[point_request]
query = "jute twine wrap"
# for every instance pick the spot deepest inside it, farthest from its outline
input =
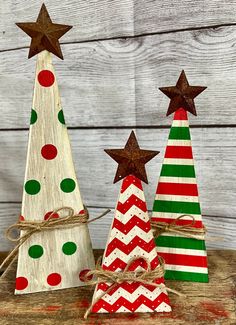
(187, 230)
(31, 227)
(145, 277)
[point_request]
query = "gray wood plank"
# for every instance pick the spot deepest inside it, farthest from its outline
(105, 19)
(114, 83)
(214, 150)
(221, 231)
(96, 90)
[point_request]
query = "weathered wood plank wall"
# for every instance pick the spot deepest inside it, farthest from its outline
(116, 56)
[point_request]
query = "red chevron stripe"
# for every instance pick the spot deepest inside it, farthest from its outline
(127, 249)
(129, 180)
(177, 189)
(180, 222)
(134, 221)
(132, 200)
(182, 152)
(120, 264)
(181, 114)
(129, 287)
(186, 260)
(141, 300)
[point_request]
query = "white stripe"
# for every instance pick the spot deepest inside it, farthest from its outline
(183, 123)
(183, 180)
(111, 299)
(143, 309)
(134, 210)
(182, 251)
(176, 198)
(163, 307)
(184, 268)
(131, 297)
(102, 310)
(168, 215)
(126, 238)
(137, 251)
(132, 189)
(122, 309)
(169, 234)
(186, 143)
(175, 161)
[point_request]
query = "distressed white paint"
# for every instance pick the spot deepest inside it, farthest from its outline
(48, 130)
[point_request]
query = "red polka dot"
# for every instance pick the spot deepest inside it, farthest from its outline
(49, 214)
(21, 218)
(82, 275)
(21, 283)
(82, 212)
(49, 151)
(46, 78)
(54, 279)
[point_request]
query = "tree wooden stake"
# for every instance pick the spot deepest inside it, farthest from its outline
(177, 193)
(130, 237)
(57, 258)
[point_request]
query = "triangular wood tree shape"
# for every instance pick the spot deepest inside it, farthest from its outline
(177, 191)
(58, 258)
(130, 236)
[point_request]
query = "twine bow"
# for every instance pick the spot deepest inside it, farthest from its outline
(31, 227)
(146, 277)
(187, 230)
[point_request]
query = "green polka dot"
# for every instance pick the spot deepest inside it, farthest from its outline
(32, 187)
(69, 248)
(67, 185)
(35, 251)
(33, 117)
(61, 117)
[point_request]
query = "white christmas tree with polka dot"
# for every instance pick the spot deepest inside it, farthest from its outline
(58, 258)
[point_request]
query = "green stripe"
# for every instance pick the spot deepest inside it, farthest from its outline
(177, 207)
(186, 276)
(179, 133)
(180, 242)
(178, 170)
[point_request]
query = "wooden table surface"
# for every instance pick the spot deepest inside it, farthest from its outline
(212, 303)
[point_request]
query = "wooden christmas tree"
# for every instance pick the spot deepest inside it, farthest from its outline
(58, 258)
(177, 193)
(130, 237)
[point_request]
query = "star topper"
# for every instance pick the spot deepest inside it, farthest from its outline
(131, 159)
(182, 95)
(44, 33)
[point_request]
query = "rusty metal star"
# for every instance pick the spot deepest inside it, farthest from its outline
(131, 159)
(182, 95)
(44, 33)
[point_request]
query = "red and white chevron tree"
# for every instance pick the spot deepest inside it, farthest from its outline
(130, 236)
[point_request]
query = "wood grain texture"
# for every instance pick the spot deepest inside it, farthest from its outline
(213, 149)
(212, 303)
(3, 255)
(221, 232)
(105, 19)
(49, 164)
(115, 82)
